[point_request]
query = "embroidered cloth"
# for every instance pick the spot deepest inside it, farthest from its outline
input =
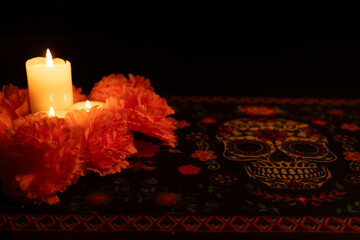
(239, 165)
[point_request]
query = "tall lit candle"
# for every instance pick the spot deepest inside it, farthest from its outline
(49, 83)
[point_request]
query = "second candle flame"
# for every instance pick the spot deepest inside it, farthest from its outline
(49, 60)
(51, 112)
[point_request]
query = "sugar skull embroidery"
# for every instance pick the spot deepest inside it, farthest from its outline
(281, 153)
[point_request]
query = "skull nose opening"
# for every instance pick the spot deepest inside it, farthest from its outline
(279, 156)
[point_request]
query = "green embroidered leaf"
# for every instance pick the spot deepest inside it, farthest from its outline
(276, 210)
(261, 205)
(173, 150)
(192, 210)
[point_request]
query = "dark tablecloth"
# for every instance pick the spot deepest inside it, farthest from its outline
(241, 165)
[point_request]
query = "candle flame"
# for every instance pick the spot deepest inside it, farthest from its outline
(51, 112)
(87, 105)
(49, 61)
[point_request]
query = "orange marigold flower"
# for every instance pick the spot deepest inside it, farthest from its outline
(77, 96)
(115, 84)
(14, 103)
(39, 158)
(107, 140)
(146, 113)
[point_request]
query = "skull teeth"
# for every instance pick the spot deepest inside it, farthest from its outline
(297, 165)
(287, 173)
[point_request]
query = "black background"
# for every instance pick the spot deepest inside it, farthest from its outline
(206, 55)
(187, 50)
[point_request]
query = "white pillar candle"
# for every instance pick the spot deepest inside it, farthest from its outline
(87, 105)
(49, 83)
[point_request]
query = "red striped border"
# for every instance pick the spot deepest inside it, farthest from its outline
(142, 223)
(265, 100)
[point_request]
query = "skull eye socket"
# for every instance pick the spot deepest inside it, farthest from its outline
(248, 147)
(304, 148)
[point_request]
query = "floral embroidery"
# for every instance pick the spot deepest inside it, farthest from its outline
(259, 111)
(196, 136)
(208, 120)
(207, 197)
(270, 135)
(311, 132)
(345, 139)
(350, 127)
(142, 159)
(353, 179)
(204, 155)
(146, 149)
(317, 199)
(168, 198)
(263, 120)
(319, 122)
(141, 163)
(352, 156)
(224, 130)
(336, 112)
(223, 179)
(183, 123)
(98, 198)
(189, 169)
(294, 185)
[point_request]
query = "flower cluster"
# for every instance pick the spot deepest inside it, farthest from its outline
(41, 156)
(14, 103)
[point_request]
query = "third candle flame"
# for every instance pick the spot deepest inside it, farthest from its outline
(87, 105)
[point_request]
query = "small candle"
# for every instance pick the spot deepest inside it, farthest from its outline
(52, 113)
(49, 83)
(87, 105)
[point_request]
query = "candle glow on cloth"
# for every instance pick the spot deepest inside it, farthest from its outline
(87, 105)
(49, 82)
